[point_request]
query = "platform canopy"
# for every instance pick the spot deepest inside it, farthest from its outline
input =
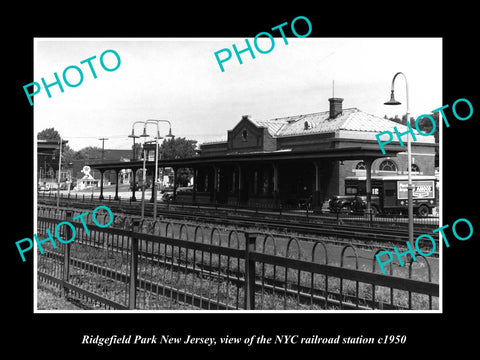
(49, 147)
(347, 153)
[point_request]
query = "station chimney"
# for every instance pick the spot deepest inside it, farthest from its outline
(335, 107)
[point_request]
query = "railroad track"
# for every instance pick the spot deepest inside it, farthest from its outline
(327, 226)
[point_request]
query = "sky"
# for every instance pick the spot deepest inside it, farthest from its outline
(179, 79)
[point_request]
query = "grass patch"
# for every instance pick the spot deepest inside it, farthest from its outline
(49, 298)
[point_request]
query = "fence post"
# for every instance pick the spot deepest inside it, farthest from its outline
(66, 254)
(249, 272)
(369, 216)
(132, 297)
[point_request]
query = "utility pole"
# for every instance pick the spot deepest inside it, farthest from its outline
(101, 172)
(103, 147)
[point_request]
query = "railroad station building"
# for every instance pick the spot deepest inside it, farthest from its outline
(292, 160)
(47, 172)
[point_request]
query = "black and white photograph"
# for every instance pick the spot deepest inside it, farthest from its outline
(238, 190)
(238, 181)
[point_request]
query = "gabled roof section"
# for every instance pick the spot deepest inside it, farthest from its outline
(351, 119)
(361, 121)
(273, 126)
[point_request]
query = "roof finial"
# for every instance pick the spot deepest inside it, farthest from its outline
(333, 88)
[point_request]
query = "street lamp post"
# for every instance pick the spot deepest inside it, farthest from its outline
(143, 168)
(154, 187)
(69, 183)
(101, 172)
(392, 101)
(59, 170)
(134, 157)
(144, 180)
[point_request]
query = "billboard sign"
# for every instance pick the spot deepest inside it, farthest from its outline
(422, 189)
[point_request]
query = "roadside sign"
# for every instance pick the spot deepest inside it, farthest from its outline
(422, 189)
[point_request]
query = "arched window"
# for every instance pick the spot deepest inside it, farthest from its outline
(361, 166)
(387, 165)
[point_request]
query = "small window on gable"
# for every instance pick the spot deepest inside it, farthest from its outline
(244, 135)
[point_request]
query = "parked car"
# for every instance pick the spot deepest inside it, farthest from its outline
(184, 189)
(352, 204)
(341, 203)
(43, 187)
(167, 195)
(138, 185)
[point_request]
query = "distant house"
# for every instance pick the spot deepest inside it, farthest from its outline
(47, 165)
(109, 155)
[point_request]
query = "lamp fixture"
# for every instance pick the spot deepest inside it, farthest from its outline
(392, 100)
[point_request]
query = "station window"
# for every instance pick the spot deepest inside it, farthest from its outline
(390, 192)
(350, 190)
(360, 166)
(415, 168)
(387, 165)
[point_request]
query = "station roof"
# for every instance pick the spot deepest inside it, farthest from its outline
(351, 119)
(48, 147)
(347, 153)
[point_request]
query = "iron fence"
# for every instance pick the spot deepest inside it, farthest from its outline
(156, 265)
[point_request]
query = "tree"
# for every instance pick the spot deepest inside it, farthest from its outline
(426, 126)
(179, 148)
(50, 162)
(48, 134)
(89, 153)
(183, 176)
